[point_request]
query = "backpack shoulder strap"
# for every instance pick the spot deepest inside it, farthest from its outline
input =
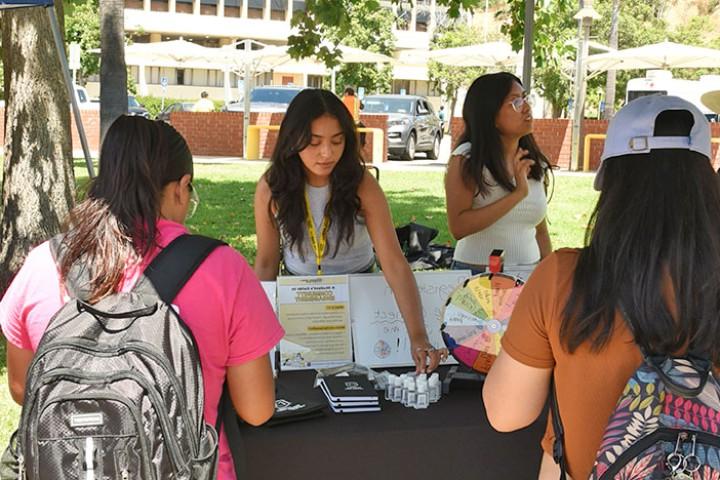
(176, 263)
(77, 283)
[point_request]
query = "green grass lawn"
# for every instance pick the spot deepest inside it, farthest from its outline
(226, 211)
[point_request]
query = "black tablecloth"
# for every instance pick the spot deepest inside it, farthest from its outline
(450, 440)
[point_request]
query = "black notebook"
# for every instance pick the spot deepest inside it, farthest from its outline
(353, 388)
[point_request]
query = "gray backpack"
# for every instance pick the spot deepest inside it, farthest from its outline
(115, 389)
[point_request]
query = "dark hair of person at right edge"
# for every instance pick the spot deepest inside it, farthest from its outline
(483, 101)
(657, 221)
(286, 176)
(116, 222)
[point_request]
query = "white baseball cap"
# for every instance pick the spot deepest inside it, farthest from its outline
(631, 130)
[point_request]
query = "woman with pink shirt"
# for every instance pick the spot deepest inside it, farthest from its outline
(133, 209)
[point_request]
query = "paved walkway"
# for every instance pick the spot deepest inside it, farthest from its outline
(419, 164)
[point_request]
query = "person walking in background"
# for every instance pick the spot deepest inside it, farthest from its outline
(354, 105)
(319, 211)
(204, 104)
(497, 178)
(134, 208)
(442, 116)
(646, 283)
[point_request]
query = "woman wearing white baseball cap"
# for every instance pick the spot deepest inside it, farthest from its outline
(652, 246)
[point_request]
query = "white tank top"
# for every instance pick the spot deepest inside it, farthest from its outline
(354, 258)
(514, 233)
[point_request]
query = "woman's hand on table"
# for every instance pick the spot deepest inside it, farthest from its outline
(426, 357)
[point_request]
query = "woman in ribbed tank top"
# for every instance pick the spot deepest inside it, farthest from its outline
(497, 178)
(319, 210)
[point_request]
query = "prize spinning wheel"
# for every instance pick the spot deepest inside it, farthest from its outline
(476, 316)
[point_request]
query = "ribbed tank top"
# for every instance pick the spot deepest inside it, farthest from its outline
(354, 258)
(514, 232)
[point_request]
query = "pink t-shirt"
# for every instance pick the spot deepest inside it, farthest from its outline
(223, 304)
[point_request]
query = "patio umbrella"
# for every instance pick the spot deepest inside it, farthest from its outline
(661, 55)
(173, 53)
(354, 55)
(491, 54)
(359, 55)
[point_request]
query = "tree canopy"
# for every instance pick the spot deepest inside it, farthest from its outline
(322, 16)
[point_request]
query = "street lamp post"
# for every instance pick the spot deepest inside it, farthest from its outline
(584, 17)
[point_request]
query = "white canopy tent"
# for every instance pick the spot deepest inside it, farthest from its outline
(661, 55)
(491, 54)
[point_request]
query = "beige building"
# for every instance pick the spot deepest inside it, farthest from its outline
(215, 23)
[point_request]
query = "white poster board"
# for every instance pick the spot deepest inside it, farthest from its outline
(315, 313)
(271, 292)
(379, 335)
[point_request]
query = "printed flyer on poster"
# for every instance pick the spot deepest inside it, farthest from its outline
(315, 313)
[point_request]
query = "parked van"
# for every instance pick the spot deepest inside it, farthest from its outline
(661, 82)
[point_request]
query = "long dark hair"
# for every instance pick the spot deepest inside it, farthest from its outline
(483, 101)
(116, 223)
(656, 225)
(286, 176)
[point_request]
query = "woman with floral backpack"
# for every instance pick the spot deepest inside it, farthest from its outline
(598, 324)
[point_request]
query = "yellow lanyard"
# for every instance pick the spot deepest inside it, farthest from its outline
(317, 246)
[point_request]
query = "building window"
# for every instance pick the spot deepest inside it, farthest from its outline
(401, 86)
(315, 81)
(256, 8)
(180, 76)
(232, 8)
(134, 4)
(278, 9)
(160, 6)
(208, 7)
(423, 21)
(184, 6)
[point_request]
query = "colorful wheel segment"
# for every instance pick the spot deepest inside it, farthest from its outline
(476, 316)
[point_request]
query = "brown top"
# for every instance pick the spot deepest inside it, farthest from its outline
(588, 384)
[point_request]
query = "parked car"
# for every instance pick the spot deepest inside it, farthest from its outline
(174, 107)
(83, 99)
(413, 126)
(274, 98)
(135, 108)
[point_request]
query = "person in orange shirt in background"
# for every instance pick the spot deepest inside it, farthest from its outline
(354, 105)
(352, 102)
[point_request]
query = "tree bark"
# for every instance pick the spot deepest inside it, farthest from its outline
(38, 184)
(612, 74)
(113, 71)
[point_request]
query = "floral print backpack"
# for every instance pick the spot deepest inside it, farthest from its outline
(665, 425)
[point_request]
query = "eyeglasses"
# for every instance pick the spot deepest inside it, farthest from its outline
(194, 201)
(517, 103)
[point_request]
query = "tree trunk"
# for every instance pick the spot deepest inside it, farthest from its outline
(113, 71)
(38, 184)
(611, 74)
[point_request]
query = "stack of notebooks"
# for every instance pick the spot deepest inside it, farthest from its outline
(350, 394)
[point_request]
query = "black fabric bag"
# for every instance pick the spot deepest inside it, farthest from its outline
(293, 406)
(115, 389)
(420, 253)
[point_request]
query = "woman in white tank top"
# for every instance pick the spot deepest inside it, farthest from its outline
(496, 178)
(323, 208)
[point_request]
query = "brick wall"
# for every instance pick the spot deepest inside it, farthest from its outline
(371, 120)
(221, 133)
(554, 138)
(91, 124)
(210, 133)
